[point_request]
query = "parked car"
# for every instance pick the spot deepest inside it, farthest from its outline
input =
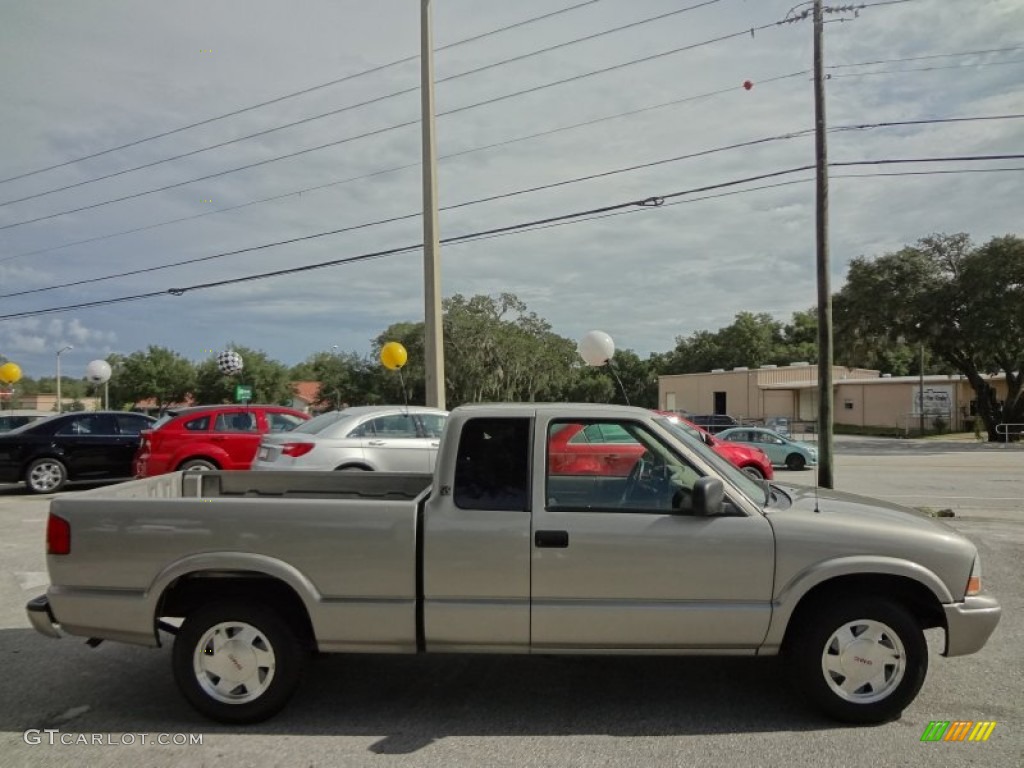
(783, 452)
(50, 452)
(384, 438)
(592, 449)
(714, 422)
(18, 418)
(210, 437)
(751, 460)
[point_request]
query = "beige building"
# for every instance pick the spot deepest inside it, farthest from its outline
(862, 397)
(48, 402)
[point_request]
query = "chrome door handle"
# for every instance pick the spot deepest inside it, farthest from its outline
(377, 442)
(435, 445)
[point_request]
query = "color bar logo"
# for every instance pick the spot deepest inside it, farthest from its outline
(958, 730)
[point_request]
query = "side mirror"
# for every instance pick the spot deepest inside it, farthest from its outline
(708, 496)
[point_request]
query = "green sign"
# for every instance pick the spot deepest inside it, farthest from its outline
(243, 393)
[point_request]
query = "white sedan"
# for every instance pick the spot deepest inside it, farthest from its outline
(383, 438)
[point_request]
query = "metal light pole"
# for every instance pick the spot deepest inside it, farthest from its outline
(433, 343)
(60, 405)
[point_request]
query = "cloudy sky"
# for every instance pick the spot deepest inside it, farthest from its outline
(81, 78)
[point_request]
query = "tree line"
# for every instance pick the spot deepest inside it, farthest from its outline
(961, 305)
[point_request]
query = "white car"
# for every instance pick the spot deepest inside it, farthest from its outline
(383, 438)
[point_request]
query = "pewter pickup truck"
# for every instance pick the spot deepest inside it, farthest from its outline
(630, 537)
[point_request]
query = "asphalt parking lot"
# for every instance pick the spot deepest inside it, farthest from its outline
(449, 710)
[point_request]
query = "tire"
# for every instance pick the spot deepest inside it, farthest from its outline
(252, 639)
(754, 472)
(795, 462)
(198, 464)
(832, 656)
(46, 476)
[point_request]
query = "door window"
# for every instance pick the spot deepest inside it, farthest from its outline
(236, 422)
(87, 425)
(433, 424)
(130, 424)
(200, 424)
(398, 425)
(656, 480)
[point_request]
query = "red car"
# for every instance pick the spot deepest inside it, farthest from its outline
(608, 450)
(594, 449)
(210, 437)
(753, 461)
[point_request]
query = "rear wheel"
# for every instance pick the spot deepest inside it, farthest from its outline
(796, 462)
(860, 660)
(236, 662)
(46, 476)
(201, 465)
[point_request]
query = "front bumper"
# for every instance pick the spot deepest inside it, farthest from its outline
(41, 617)
(970, 624)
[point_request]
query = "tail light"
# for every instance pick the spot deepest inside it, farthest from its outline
(296, 449)
(58, 536)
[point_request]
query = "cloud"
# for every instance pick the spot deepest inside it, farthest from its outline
(645, 276)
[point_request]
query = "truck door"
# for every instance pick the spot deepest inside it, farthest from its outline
(476, 542)
(620, 563)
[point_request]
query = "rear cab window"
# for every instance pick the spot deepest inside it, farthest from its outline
(492, 469)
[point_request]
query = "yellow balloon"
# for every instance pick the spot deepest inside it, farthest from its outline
(10, 373)
(393, 355)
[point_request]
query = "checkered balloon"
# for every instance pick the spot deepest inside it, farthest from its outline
(229, 362)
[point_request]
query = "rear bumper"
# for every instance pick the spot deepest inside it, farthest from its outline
(970, 624)
(41, 617)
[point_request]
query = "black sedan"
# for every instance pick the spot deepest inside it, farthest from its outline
(95, 445)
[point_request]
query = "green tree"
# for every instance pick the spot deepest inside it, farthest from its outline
(964, 304)
(157, 373)
(269, 379)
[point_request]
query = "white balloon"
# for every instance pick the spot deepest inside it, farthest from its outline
(98, 372)
(596, 348)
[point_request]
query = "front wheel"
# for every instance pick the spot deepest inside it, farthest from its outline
(236, 662)
(46, 476)
(754, 472)
(860, 660)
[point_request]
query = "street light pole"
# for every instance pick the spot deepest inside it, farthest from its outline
(433, 331)
(60, 405)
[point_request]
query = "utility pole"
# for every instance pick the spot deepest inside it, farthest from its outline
(825, 429)
(433, 342)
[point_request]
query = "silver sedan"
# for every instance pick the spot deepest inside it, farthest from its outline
(383, 438)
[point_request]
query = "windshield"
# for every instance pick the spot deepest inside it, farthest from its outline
(754, 489)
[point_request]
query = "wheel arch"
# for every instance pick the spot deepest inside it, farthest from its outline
(217, 463)
(909, 584)
(212, 577)
(355, 464)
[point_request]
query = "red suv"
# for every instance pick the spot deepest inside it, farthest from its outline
(210, 437)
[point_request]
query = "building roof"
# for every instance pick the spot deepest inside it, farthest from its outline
(309, 391)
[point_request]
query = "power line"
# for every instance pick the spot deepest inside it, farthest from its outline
(347, 108)
(493, 145)
(417, 214)
(515, 193)
(653, 201)
(979, 65)
(572, 218)
(302, 92)
(927, 57)
(493, 100)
